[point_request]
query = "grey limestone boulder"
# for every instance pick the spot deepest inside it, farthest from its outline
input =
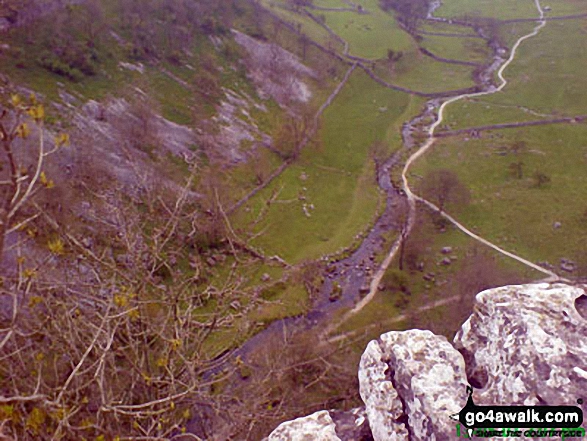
(523, 344)
(316, 427)
(526, 344)
(411, 382)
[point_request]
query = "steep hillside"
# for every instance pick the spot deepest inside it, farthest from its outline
(131, 128)
(209, 207)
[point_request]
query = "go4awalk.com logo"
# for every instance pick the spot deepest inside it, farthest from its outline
(561, 422)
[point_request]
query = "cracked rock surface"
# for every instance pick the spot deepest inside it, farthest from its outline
(524, 344)
(316, 427)
(411, 382)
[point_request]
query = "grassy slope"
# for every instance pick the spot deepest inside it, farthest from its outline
(340, 176)
(442, 27)
(369, 35)
(309, 27)
(330, 4)
(547, 78)
(421, 73)
(514, 213)
(463, 49)
(500, 9)
(566, 7)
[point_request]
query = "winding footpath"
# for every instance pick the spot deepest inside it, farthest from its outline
(414, 198)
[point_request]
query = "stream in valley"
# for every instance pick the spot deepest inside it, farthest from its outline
(351, 279)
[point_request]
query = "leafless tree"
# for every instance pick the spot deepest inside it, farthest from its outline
(443, 187)
(276, 382)
(294, 135)
(118, 350)
(22, 174)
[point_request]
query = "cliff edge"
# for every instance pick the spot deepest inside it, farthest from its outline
(522, 345)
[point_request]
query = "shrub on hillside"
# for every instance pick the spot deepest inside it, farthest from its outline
(55, 65)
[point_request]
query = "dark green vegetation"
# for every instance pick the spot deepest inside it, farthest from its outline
(409, 12)
(163, 283)
(82, 47)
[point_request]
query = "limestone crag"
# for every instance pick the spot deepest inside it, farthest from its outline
(334, 425)
(427, 378)
(382, 402)
(523, 344)
(526, 345)
(316, 427)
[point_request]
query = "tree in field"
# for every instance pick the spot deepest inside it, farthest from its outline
(540, 179)
(393, 57)
(409, 12)
(516, 169)
(518, 147)
(294, 135)
(261, 165)
(444, 187)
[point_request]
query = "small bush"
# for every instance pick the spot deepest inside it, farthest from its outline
(273, 291)
(396, 280)
(55, 65)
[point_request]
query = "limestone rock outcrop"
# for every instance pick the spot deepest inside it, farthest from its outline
(524, 344)
(334, 425)
(411, 382)
(316, 427)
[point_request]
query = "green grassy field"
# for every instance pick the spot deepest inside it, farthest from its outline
(549, 75)
(443, 27)
(330, 4)
(418, 72)
(309, 27)
(509, 33)
(516, 213)
(463, 49)
(500, 9)
(565, 7)
(336, 176)
(545, 81)
(472, 112)
(369, 35)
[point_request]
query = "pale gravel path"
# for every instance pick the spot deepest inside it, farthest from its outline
(413, 198)
(397, 319)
